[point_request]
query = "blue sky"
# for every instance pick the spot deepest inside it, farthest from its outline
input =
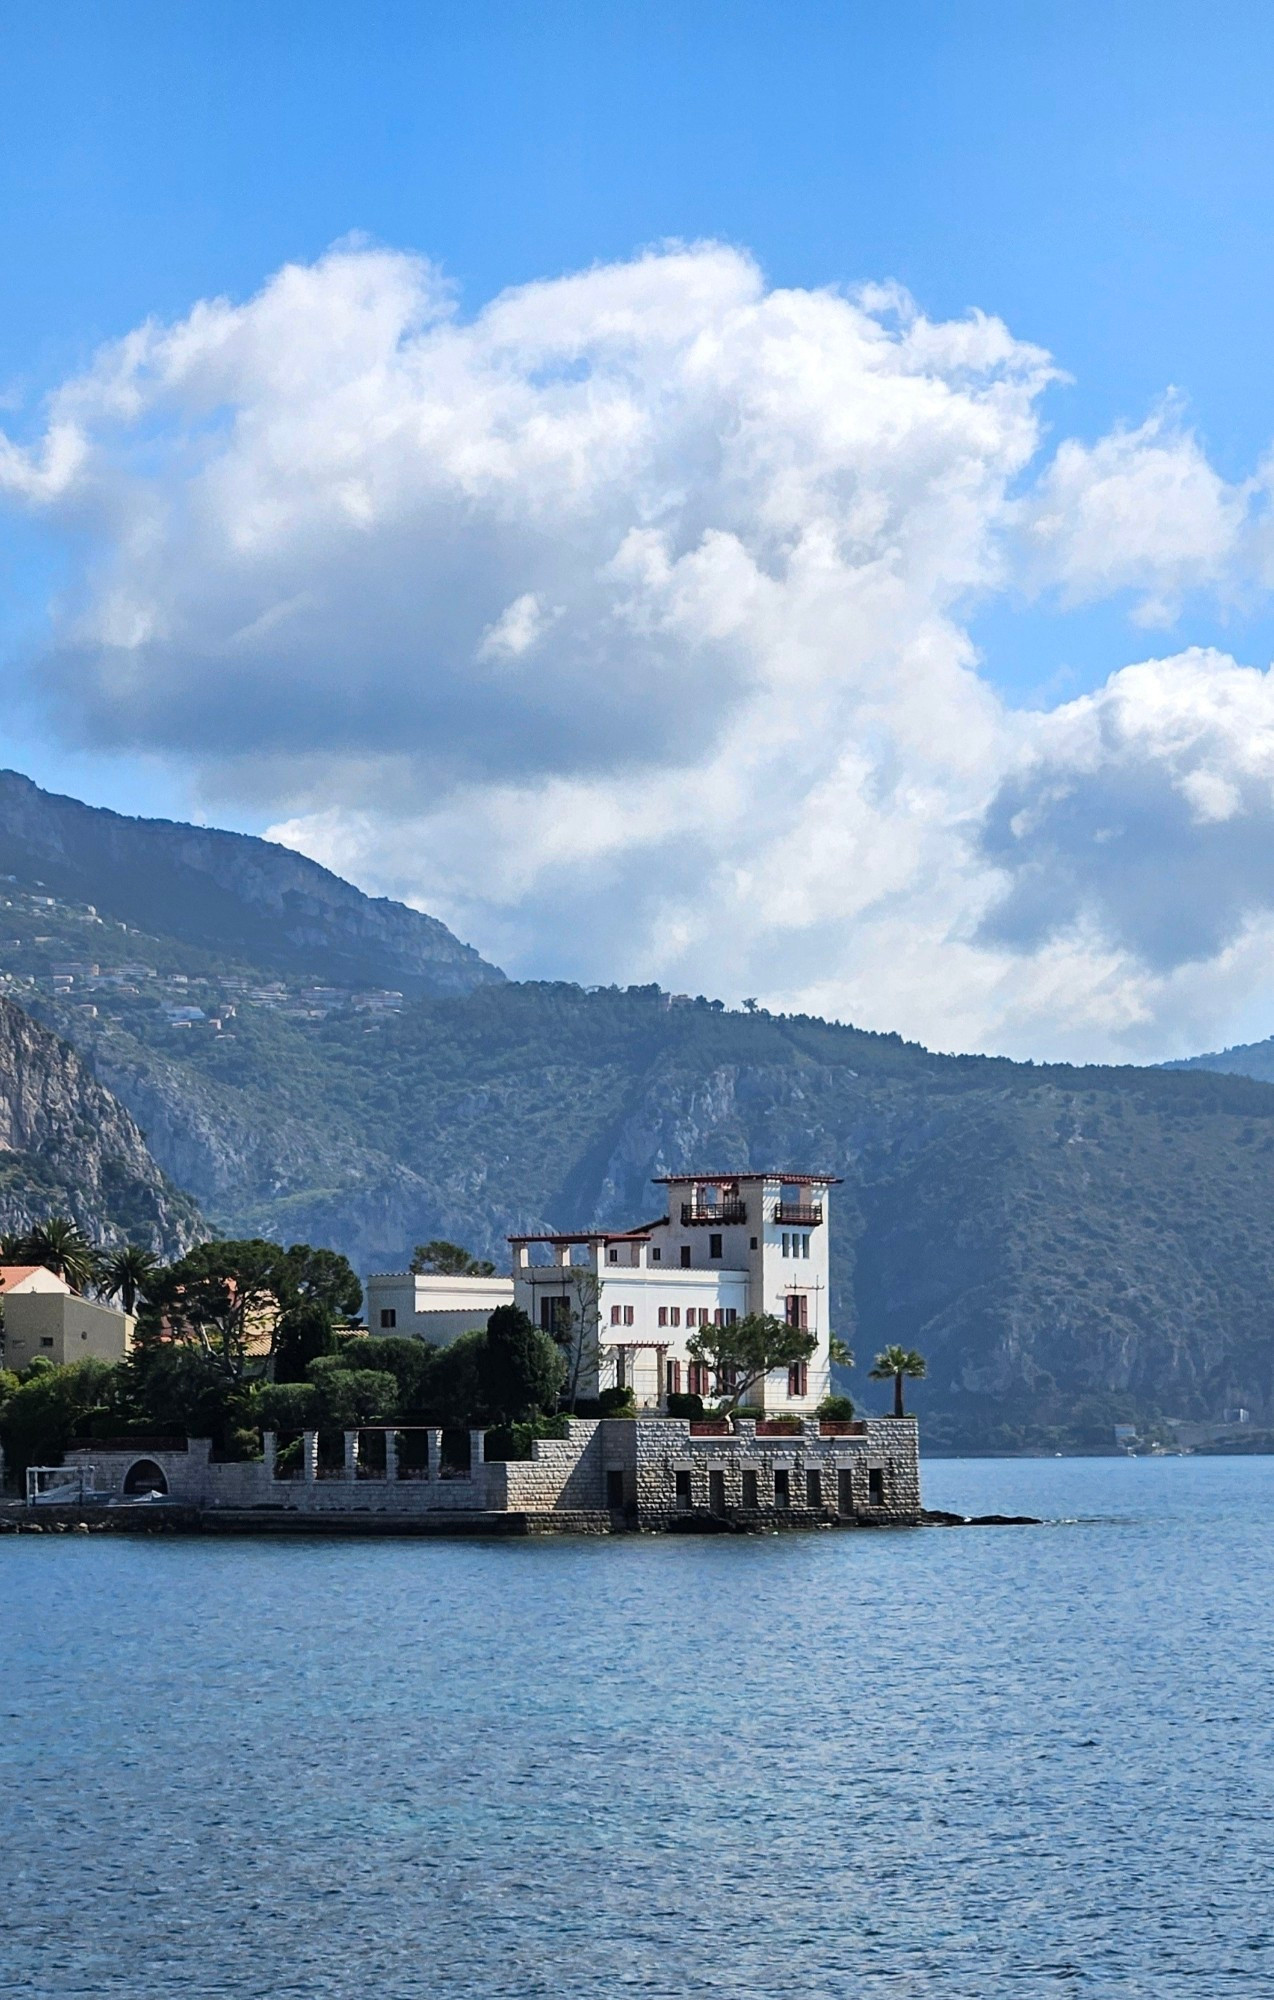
(1100, 178)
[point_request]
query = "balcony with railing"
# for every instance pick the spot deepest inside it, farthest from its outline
(696, 1213)
(799, 1214)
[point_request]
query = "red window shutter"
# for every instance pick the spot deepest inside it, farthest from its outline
(663, 1315)
(614, 1315)
(628, 1315)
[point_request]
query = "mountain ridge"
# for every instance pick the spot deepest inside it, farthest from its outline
(1254, 1059)
(233, 891)
(1070, 1246)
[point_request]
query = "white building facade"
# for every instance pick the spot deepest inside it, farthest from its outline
(729, 1245)
(432, 1308)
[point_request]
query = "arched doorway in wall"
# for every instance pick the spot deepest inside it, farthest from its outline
(144, 1476)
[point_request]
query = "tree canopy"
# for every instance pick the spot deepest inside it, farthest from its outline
(448, 1260)
(238, 1302)
(520, 1370)
(742, 1354)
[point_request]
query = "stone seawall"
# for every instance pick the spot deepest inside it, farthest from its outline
(655, 1473)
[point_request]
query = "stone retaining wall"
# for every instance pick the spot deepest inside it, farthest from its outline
(651, 1472)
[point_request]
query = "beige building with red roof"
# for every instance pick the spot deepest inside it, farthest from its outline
(44, 1318)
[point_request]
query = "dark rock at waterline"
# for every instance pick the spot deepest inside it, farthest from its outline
(936, 1517)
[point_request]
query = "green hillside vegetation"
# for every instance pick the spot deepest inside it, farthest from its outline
(1254, 1059)
(1069, 1247)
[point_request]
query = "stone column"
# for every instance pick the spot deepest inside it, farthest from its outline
(351, 1454)
(311, 1456)
(270, 1452)
(433, 1445)
(391, 1454)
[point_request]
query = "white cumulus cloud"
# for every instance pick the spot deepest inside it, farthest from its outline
(624, 625)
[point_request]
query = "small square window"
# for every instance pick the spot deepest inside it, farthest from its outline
(46, 1340)
(388, 1316)
(714, 1247)
(613, 1255)
(685, 1256)
(83, 1336)
(656, 1256)
(754, 1242)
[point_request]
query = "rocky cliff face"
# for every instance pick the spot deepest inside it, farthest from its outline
(228, 893)
(67, 1147)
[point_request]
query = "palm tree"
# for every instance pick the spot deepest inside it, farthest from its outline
(126, 1274)
(63, 1249)
(892, 1364)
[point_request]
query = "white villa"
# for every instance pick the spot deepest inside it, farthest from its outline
(730, 1244)
(433, 1308)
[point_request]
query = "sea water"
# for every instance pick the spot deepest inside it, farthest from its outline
(945, 1762)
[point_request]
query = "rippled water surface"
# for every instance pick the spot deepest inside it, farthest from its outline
(939, 1763)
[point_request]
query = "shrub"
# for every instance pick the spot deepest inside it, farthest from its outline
(409, 1361)
(41, 1415)
(616, 1403)
(514, 1441)
(684, 1406)
(840, 1408)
